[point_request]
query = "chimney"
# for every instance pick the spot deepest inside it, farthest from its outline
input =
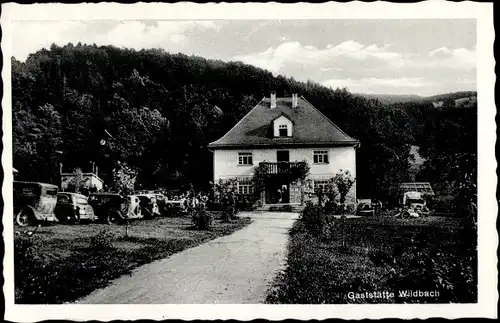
(295, 100)
(273, 100)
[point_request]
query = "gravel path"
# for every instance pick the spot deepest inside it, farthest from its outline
(233, 269)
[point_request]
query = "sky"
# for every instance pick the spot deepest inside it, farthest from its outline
(422, 57)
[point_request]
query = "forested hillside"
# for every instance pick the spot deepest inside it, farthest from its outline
(404, 98)
(163, 109)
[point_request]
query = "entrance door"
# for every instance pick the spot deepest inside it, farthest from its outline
(277, 192)
(282, 156)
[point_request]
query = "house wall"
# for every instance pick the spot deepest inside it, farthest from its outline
(340, 158)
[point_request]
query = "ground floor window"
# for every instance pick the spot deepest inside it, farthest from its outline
(321, 185)
(245, 188)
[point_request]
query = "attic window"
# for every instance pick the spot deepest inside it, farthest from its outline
(283, 130)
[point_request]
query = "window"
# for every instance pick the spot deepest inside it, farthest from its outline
(320, 157)
(62, 199)
(51, 192)
(245, 159)
(283, 130)
(245, 188)
(322, 185)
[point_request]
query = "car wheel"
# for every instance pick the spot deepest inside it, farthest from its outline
(113, 217)
(23, 218)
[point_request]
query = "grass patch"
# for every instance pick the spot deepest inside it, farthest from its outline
(61, 263)
(380, 254)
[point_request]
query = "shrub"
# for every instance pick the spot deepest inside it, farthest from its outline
(344, 181)
(350, 209)
(441, 203)
(214, 206)
(202, 220)
(331, 207)
(314, 218)
(245, 203)
(103, 240)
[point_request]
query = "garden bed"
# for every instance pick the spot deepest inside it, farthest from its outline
(380, 256)
(61, 263)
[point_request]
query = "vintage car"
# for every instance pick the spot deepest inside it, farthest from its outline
(175, 207)
(414, 206)
(149, 205)
(365, 207)
(165, 206)
(73, 207)
(114, 208)
(34, 203)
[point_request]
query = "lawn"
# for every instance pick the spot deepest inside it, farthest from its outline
(380, 256)
(61, 263)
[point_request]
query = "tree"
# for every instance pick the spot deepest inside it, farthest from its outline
(344, 181)
(124, 178)
(163, 109)
(36, 138)
(77, 183)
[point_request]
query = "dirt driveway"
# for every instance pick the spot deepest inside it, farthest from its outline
(233, 269)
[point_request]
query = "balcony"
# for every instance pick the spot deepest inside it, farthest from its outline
(281, 168)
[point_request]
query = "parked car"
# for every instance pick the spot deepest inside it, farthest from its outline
(175, 207)
(161, 200)
(72, 207)
(113, 208)
(149, 205)
(366, 207)
(34, 202)
(414, 206)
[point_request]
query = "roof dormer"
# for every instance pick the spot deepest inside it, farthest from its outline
(282, 126)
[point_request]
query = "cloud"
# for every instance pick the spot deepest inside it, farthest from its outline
(275, 59)
(30, 36)
(458, 58)
(327, 69)
(378, 85)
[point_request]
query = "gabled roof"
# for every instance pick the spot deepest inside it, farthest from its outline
(422, 187)
(311, 127)
(283, 114)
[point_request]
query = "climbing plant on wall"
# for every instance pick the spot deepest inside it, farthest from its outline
(298, 172)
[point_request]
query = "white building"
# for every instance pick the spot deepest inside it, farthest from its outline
(91, 180)
(278, 133)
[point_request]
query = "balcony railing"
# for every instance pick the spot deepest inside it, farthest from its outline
(280, 168)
